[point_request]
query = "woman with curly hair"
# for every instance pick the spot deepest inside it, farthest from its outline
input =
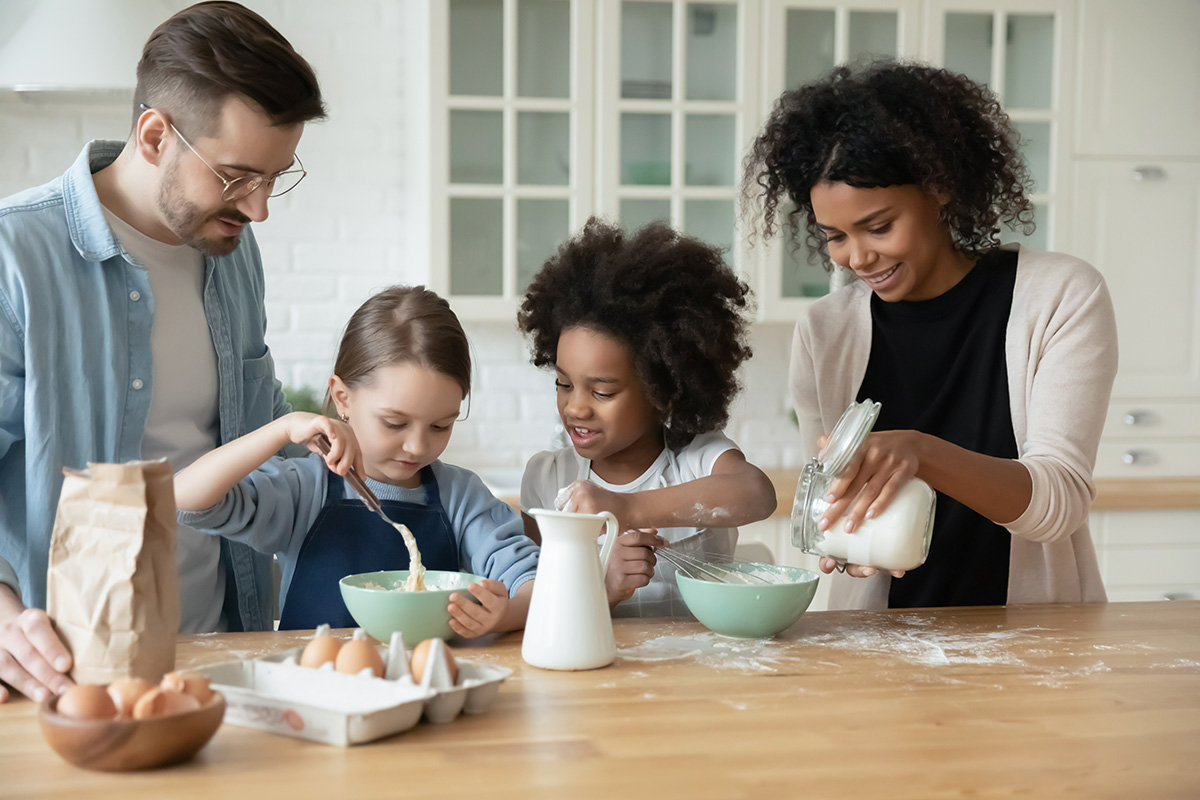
(645, 334)
(993, 364)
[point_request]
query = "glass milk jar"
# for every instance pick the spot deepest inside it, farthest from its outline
(896, 539)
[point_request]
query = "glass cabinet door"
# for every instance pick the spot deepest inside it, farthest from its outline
(1016, 48)
(812, 37)
(516, 114)
(673, 115)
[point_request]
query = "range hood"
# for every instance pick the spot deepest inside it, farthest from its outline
(78, 45)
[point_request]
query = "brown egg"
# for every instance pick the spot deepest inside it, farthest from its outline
(159, 702)
(188, 683)
(420, 656)
(125, 693)
(86, 701)
(321, 650)
(357, 655)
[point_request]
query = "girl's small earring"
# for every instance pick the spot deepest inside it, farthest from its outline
(345, 417)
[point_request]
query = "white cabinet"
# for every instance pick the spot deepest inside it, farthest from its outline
(544, 112)
(509, 99)
(1023, 50)
(1136, 217)
(1148, 555)
(1140, 78)
(1139, 223)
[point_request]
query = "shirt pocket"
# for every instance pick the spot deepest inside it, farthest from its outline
(258, 391)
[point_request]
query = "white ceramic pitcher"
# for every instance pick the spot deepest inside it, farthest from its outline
(569, 624)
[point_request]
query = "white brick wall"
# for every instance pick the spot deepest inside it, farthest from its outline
(343, 233)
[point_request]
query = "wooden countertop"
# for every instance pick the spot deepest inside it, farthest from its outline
(1048, 701)
(1111, 495)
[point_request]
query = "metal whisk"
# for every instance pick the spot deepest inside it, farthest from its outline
(730, 569)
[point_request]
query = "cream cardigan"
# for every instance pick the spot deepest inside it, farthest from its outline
(1061, 350)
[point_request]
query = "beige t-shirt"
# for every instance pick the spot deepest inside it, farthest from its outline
(182, 422)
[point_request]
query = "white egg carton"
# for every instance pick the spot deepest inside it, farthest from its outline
(274, 693)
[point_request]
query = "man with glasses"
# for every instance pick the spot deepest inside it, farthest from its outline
(131, 312)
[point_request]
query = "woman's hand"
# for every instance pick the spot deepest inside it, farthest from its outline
(475, 619)
(886, 461)
(828, 565)
(631, 565)
(344, 451)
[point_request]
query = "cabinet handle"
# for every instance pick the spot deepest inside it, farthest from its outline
(1136, 418)
(1148, 174)
(1136, 456)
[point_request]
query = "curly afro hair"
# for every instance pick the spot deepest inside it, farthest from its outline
(670, 298)
(890, 123)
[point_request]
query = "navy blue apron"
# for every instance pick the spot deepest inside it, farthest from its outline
(348, 538)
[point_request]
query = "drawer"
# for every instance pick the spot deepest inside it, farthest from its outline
(1148, 555)
(1175, 528)
(1148, 458)
(1132, 419)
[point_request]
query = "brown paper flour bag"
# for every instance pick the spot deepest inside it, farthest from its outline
(113, 585)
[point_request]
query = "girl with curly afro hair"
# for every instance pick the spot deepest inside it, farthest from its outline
(994, 364)
(645, 334)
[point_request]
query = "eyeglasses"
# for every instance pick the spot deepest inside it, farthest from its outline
(237, 188)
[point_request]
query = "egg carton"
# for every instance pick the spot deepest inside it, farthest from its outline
(274, 693)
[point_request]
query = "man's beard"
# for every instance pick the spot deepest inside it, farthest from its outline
(186, 220)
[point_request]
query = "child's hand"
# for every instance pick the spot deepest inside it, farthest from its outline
(631, 565)
(585, 497)
(344, 451)
(475, 619)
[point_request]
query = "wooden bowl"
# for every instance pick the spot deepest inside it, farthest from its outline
(119, 745)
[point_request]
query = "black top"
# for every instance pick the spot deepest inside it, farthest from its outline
(938, 367)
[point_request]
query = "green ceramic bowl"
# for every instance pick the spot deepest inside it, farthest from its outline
(418, 615)
(750, 611)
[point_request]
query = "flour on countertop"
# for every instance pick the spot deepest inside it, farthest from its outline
(909, 638)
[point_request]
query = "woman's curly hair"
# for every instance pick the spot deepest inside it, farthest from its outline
(889, 123)
(670, 298)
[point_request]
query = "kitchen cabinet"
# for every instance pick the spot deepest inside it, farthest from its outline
(1139, 224)
(556, 110)
(1137, 219)
(1140, 78)
(544, 112)
(1149, 555)
(509, 99)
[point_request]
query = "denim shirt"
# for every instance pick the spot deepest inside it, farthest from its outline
(76, 374)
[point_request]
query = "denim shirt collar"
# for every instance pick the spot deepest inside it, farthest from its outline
(90, 232)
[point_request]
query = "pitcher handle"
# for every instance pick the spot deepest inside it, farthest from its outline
(610, 539)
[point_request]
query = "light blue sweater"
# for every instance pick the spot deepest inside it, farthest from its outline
(273, 508)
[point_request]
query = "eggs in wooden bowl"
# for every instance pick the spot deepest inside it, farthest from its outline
(110, 729)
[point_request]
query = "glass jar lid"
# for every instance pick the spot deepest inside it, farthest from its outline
(848, 435)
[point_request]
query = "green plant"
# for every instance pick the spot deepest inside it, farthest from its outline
(304, 398)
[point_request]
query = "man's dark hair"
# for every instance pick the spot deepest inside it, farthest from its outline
(210, 51)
